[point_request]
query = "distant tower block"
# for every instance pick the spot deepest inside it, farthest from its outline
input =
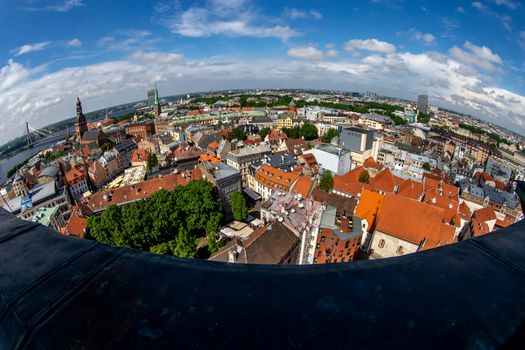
(422, 104)
(80, 122)
(156, 104)
(151, 97)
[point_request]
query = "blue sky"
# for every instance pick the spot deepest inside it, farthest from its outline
(469, 56)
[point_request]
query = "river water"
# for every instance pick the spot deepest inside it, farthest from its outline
(9, 163)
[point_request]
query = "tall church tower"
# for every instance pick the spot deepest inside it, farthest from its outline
(156, 104)
(80, 122)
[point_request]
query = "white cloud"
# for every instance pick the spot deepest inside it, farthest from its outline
(521, 39)
(127, 40)
(44, 97)
(460, 9)
(332, 53)
(508, 3)
(233, 19)
(307, 52)
(479, 6)
(373, 45)
(331, 50)
(315, 14)
(426, 38)
(476, 56)
(294, 13)
(11, 74)
(68, 5)
(63, 6)
(22, 50)
(74, 42)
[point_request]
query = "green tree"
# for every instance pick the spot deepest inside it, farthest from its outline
(104, 228)
(330, 134)
(427, 166)
(165, 223)
(293, 133)
(152, 161)
(185, 245)
(309, 131)
(263, 132)
(326, 183)
(423, 118)
(237, 134)
(239, 207)
(364, 176)
(107, 146)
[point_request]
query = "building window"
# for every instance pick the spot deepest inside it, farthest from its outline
(323, 239)
(381, 243)
(399, 250)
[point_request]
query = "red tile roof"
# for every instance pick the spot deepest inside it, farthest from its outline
(464, 211)
(485, 214)
(76, 226)
(275, 178)
(127, 194)
(369, 208)
(385, 181)
(479, 227)
(139, 155)
(303, 186)
(349, 182)
(410, 189)
(430, 184)
(370, 163)
(503, 223)
(74, 176)
(414, 221)
(449, 205)
(500, 185)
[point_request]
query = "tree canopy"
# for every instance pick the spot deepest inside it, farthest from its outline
(107, 146)
(152, 161)
(330, 134)
(364, 176)
(237, 134)
(427, 166)
(263, 132)
(307, 131)
(326, 183)
(165, 223)
(239, 207)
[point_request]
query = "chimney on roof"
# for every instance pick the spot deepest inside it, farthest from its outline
(232, 256)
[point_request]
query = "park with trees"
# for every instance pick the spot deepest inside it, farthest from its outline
(169, 222)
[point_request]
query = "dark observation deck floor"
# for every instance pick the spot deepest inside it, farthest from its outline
(61, 292)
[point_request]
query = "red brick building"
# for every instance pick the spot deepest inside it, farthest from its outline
(336, 241)
(141, 129)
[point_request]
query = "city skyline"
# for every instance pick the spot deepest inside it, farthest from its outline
(397, 48)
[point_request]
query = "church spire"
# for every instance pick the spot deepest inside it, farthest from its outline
(156, 104)
(79, 108)
(80, 122)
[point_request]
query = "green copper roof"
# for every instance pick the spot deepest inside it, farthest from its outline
(43, 215)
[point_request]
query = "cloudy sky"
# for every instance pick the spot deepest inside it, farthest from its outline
(469, 56)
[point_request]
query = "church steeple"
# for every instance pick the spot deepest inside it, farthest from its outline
(156, 104)
(80, 122)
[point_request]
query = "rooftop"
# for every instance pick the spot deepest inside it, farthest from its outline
(43, 215)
